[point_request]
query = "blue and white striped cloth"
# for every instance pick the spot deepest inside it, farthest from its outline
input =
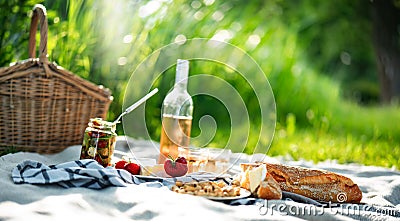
(90, 174)
(79, 173)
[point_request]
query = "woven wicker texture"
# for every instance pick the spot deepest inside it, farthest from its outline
(43, 107)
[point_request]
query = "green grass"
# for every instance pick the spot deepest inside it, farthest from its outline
(353, 134)
(309, 145)
(7, 150)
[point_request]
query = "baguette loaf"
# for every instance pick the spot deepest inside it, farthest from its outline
(269, 189)
(316, 184)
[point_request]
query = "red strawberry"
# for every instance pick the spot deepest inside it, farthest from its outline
(132, 168)
(176, 167)
(120, 164)
(181, 160)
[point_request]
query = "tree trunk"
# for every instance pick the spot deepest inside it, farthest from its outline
(386, 25)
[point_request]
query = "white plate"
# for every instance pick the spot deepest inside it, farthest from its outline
(243, 194)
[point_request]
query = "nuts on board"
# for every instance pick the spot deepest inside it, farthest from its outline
(207, 188)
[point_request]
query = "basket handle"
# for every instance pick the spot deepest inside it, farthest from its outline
(39, 12)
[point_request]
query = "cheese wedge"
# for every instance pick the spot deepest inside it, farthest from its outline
(256, 176)
(244, 180)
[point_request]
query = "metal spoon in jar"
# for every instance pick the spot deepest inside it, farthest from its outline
(135, 105)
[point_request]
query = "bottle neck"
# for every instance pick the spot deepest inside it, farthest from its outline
(181, 86)
(182, 73)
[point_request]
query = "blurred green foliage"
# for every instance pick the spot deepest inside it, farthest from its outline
(317, 56)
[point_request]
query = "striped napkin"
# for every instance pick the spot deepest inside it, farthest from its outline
(80, 173)
(90, 174)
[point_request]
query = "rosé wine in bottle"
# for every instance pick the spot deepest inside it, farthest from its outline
(177, 113)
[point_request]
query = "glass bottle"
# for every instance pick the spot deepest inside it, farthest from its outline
(176, 113)
(99, 141)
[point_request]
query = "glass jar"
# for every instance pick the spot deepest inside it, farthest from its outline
(196, 158)
(99, 141)
(218, 160)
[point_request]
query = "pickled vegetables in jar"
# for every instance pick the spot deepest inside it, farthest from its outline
(99, 141)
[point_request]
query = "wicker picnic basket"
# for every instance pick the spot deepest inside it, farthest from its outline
(43, 107)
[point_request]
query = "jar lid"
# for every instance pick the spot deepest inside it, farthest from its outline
(102, 124)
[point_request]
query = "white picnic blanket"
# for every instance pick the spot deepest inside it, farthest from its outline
(380, 187)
